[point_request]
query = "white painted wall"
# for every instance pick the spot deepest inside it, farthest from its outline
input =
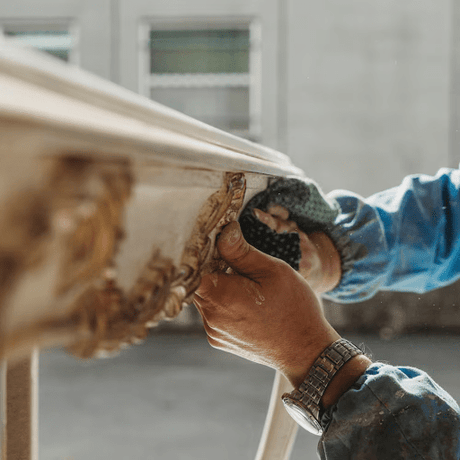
(90, 20)
(135, 13)
(356, 92)
(367, 90)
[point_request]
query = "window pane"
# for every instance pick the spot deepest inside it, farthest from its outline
(55, 42)
(199, 51)
(224, 108)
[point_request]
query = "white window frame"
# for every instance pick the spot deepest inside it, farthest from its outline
(89, 23)
(250, 80)
(34, 24)
(264, 19)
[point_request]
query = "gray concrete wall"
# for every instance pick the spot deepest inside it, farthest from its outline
(367, 90)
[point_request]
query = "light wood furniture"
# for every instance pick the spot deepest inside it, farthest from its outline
(109, 208)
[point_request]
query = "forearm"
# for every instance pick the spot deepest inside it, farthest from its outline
(344, 379)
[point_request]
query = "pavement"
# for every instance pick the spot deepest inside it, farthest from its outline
(176, 398)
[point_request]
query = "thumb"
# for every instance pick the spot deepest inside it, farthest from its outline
(240, 255)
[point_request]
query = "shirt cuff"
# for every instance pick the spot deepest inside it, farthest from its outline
(397, 412)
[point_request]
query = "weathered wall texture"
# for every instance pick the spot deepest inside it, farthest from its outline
(367, 90)
(368, 101)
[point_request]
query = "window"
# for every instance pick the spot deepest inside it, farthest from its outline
(199, 51)
(55, 39)
(205, 72)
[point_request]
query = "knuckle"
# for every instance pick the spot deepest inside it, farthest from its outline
(212, 322)
(283, 273)
(205, 285)
(280, 268)
(215, 343)
(239, 251)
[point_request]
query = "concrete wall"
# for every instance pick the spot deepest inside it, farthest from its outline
(367, 90)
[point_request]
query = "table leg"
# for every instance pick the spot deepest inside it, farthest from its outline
(3, 410)
(280, 430)
(21, 433)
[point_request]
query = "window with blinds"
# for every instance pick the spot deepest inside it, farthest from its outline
(205, 73)
(55, 39)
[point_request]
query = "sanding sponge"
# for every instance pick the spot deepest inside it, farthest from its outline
(308, 207)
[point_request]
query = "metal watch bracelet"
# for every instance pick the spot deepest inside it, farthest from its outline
(307, 398)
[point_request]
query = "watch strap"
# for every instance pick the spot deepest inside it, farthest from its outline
(310, 392)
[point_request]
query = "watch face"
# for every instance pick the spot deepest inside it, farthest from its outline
(302, 417)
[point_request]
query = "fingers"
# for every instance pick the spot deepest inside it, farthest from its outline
(213, 290)
(276, 223)
(217, 338)
(310, 263)
(229, 343)
(279, 211)
(214, 337)
(267, 219)
(241, 256)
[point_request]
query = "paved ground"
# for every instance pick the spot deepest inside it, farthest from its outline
(176, 398)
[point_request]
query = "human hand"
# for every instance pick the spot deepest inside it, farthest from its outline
(320, 263)
(263, 311)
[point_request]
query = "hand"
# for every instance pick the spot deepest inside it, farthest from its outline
(320, 264)
(263, 311)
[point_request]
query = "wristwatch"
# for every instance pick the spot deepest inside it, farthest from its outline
(303, 404)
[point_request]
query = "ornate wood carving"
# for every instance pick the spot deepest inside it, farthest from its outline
(220, 209)
(83, 202)
(109, 319)
(91, 200)
(76, 212)
(61, 218)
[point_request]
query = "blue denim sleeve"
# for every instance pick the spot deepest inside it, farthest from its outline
(392, 413)
(409, 236)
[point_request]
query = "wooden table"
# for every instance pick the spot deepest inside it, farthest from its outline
(110, 205)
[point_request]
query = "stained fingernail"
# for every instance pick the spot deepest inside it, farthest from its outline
(233, 236)
(262, 217)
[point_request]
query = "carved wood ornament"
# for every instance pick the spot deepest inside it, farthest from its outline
(72, 145)
(83, 203)
(110, 319)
